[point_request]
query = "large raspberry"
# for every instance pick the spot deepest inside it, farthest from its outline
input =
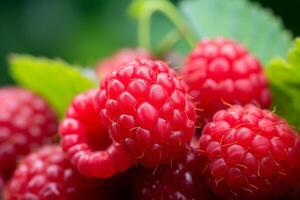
(26, 121)
(219, 72)
(47, 175)
(119, 58)
(147, 111)
(250, 153)
(178, 181)
(87, 142)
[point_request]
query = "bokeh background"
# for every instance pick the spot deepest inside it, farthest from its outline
(83, 31)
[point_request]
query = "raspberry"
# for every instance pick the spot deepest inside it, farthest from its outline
(220, 71)
(26, 121)
(250, 153)
(176, 182)
(119, 58)
(146, 110)
(47, 175)
(87, 142)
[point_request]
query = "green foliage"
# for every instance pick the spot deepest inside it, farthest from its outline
(55, 80)
(257, 28)
(284, 79)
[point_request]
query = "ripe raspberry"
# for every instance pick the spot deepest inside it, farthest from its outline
(26, 122)
(87, 142)
(176, 182)
(47, 175)
(119, 58)
(147, 111)
(221, 71)
(250, 153)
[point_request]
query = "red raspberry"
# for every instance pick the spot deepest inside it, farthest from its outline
(147, 111)
(26, 122)
(176, 182)
(250, 153)
(87, 142)
(221, 71)
(47, 175)
(119, 58)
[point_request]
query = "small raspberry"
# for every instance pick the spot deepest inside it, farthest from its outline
(87, 142)
(119, 58)
(147, 111)
(250, 153)
(220, 71)
(47, 175)
(26, 122)
(176, 182)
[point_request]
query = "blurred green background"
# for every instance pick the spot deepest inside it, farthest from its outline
(83, 31)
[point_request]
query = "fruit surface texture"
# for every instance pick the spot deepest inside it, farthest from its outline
(177, 182)
(26, 122)
(86, 141)
(219, 72)
(250, 153)
(146, 110)
(47, 175)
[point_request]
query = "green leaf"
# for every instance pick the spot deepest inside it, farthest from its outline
(284, 78)
(55, 80)
(257, 28)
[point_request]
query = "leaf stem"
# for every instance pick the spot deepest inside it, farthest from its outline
(144, 23)
(170, 11)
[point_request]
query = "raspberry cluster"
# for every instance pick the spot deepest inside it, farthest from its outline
(133, 137)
